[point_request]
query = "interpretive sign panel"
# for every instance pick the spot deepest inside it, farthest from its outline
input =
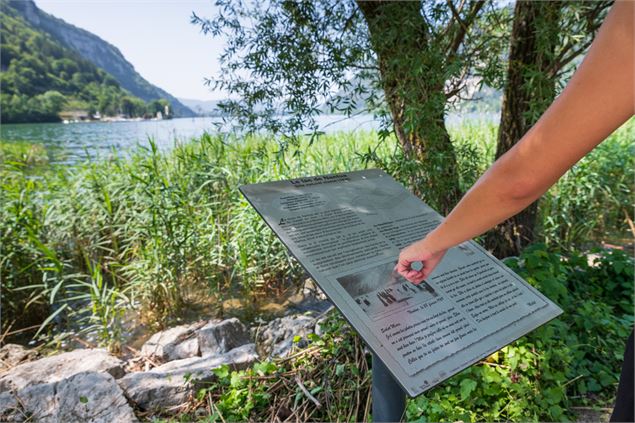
(347, 229)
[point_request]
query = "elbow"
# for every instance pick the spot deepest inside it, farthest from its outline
(522, 189)
(515, 180)
(518, 179)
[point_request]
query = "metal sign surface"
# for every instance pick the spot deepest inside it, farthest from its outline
(347, 229)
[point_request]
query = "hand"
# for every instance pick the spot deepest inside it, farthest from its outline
(418, 251)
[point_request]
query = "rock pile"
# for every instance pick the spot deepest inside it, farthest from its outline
(276, 338)
(75, 386)
(171, 384)
(191, 352)
(92, 385)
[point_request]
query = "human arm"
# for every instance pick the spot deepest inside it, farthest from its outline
(598, 99)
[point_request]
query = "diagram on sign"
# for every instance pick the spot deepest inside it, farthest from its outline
(380, 291)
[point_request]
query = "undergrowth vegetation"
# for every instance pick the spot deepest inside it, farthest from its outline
(573, 361)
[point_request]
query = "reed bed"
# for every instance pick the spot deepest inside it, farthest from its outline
(157, 231)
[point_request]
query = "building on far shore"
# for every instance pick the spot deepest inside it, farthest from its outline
(75, 115)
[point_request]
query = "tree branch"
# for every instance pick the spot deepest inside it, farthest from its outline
(349, 20)
(475, 8)
(456, 14)
(593, 25)
(561, 63)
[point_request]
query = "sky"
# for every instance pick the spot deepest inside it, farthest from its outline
(155, 36)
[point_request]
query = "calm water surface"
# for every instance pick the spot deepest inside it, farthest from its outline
(68, 143)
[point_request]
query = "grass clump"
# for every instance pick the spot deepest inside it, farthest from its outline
(593, 201)
(23, 153)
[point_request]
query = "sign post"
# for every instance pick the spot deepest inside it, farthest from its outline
(389, 400)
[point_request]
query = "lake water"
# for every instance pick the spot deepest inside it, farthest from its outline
(69, 143)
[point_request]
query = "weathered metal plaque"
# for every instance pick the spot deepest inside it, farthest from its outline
(347, 229)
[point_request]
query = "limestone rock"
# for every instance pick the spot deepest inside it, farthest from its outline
(83, 397)
(59, 367)
(310, 299)
(311, 289)
(173, 344)
(13, 354)
(9, 410)
(166, 386)
(218, 337)
(276, 339)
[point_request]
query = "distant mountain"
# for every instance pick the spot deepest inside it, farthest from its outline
(203, 107)
(101, 53)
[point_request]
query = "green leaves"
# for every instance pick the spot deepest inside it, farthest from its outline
(222, 372)
(573, 360)
(264, 368)
(339, 370)
(467, 386)
(553, 395)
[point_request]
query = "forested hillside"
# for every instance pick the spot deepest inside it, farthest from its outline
(40, 79)
(99, 52)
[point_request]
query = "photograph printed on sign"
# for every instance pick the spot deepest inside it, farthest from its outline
(381, 291)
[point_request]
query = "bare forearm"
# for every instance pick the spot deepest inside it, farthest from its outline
(493, 199)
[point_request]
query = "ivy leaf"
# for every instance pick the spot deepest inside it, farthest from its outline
(467, 387)
(555, 412)
(553, 395)
(593, 386)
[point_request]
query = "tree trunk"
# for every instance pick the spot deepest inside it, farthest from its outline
(529, 90)
(413, 79)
